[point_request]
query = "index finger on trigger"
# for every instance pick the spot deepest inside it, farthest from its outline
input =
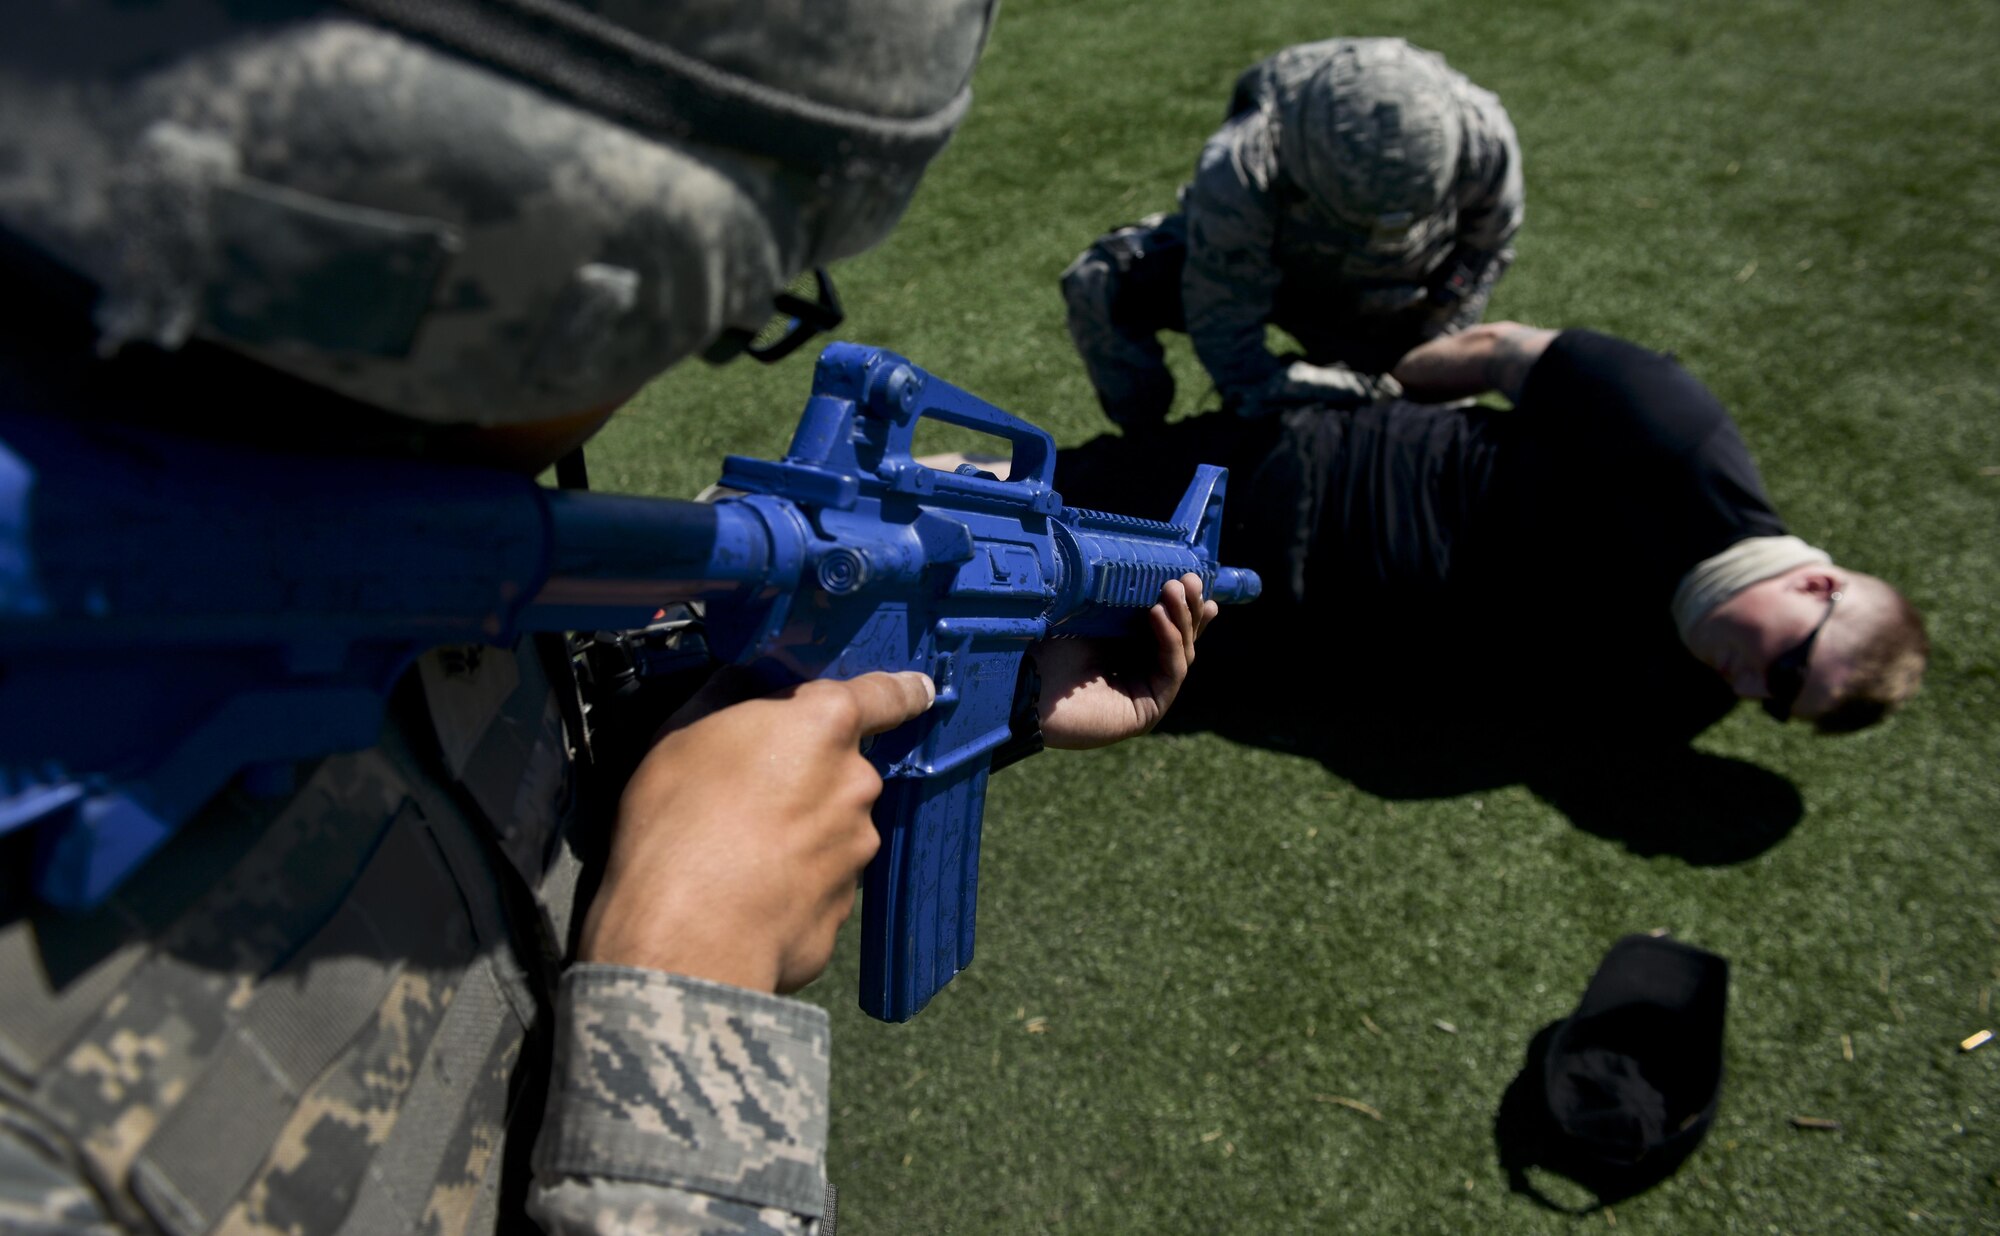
(889, 699)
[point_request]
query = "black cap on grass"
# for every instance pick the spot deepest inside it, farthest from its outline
(1637, 1069)
(1616, 1095)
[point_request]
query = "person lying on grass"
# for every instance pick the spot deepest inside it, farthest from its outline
(1601, 555)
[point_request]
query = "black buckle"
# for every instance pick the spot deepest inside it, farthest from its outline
(807, 307)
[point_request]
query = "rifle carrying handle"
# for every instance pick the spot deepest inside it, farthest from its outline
(894, 395)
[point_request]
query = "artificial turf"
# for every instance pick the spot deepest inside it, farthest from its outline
(1204, 966)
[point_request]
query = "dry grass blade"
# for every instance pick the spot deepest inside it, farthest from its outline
(1350, 1104)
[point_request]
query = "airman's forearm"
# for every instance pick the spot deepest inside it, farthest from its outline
(1495, 356)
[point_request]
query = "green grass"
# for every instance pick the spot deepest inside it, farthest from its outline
(1180, 938)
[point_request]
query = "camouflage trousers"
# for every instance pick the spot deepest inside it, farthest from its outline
(1125, 289)
(1121, 293)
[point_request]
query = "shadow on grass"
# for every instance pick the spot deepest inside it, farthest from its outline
(1662, 798)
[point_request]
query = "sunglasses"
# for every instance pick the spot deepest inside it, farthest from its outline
(807, 307)
(1787, 676)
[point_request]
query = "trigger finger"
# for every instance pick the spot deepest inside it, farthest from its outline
(888, 699)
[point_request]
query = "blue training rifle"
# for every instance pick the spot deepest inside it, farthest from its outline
(175, 613)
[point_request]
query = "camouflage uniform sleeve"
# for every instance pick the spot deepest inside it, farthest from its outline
(1492, 201)
(682, 1106)
(1231, 277)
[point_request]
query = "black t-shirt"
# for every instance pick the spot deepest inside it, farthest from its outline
(1507, 561)
(1623, 448)
(1622, 473)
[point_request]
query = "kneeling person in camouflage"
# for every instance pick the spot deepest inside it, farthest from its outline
(1361, 196)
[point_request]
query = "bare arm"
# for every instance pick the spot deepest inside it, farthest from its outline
(1494, 357)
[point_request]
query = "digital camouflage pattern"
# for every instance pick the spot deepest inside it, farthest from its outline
(1126, 288)
(1369, 119)
(432, 236)
(37, 1199)
(1120, 294)
(333, 1011)
(669, 1080)
(1361, 196)
(311, 1016)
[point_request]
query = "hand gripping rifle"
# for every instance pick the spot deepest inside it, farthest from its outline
(175, 613)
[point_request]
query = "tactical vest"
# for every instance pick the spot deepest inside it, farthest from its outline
(317, 1012)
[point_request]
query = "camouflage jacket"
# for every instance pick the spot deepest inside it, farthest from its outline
(1260, 250)
(347, 1010)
